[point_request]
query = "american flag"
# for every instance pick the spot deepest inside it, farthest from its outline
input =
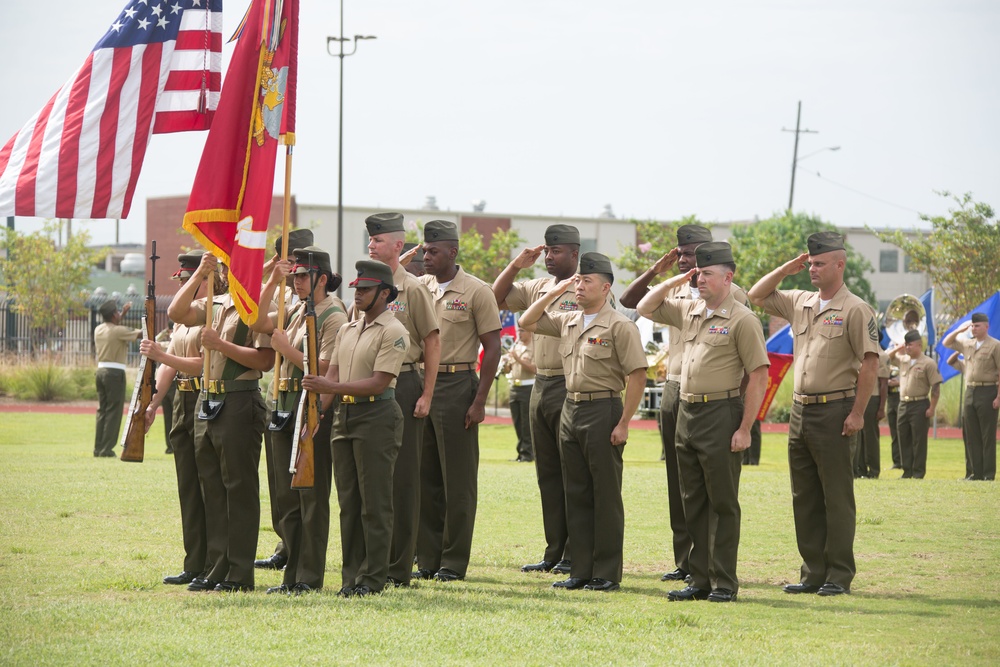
(158, 69)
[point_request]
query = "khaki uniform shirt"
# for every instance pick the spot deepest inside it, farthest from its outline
(518, 374)
(884, 371)
(522, 295)
(717, 348)
(295, 318)
(111, 341)
(982, 365)
(829, 344)
(600, 356)
(362, 350)
(676, 347)
(917, 376)
(466, 310)
(184, 342)
(414, 308)
(225, 320)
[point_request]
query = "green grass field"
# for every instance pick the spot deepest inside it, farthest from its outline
(84, 544)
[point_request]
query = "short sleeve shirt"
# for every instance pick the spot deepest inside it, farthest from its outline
(225, 320)
(829, 344)
(717, 348)
(362, 350)
(597, 357)
(676, 346)
(981, 365)
(517, 371)
(414, 308)
(522, 295)
(466, 310)
(111, 342)
(917, 376)
(296, 328)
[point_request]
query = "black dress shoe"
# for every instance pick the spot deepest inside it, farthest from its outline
(422, 573)
(283, 589)
(396, 583)
(721, 595)
(301, 588)
(541, 566)
(676, 575)
(562, 567)
(233, 587)
(572, 584)
(599, 584)
(444, 574)
(800, 588)
(202, 584)
(828, 589)
(363, 591)
(346, 592)
(688, 593)
(275, 562)
(184, 577)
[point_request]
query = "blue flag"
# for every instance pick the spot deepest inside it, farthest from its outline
(928, 302)
(991, 307)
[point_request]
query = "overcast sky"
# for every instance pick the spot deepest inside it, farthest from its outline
(660, 108)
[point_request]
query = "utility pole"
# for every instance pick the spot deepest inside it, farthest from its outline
(795, 153)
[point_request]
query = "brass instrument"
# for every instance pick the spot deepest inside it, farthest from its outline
(905, 313)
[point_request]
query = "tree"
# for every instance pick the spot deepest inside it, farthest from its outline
(478, 259)
(960, 254)
(46, 283)
(761, 247)
(654, 239)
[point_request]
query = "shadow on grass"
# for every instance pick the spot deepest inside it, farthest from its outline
(861, 602)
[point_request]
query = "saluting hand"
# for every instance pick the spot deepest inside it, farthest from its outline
(407, 257)
(564, 285)
(528, 256)
(796, 265)
(664, 263)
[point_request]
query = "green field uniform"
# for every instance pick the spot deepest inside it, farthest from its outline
(366, 440)
(916, 378)
(414, 309)
(227, 449)
(184, 343)
(548, 394)
(979, 417)
(111, 343)
(830, 344)
(304, 514)
(718, 348)
(449, 460)
(597, 358)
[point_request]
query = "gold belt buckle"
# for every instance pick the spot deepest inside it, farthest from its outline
(822, 399)
(452, 367)
(216, 387)
(348, 399)
(704, 398)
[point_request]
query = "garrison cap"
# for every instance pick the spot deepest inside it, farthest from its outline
(595, 262)
(562, 235)
(440, 230)
(980, 317)
(189, 264)
(108, 308)
(715, 252)
(688, 234)
(822, 242)
(384, 223)
(297, 238)
(407, 247)
(320, 260)
(911, 336)
(372, 271)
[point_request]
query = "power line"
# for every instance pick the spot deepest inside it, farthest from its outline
(859, 192)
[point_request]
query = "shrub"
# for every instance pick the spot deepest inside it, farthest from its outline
(46, 382)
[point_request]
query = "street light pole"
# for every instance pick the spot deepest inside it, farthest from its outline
(340, 135)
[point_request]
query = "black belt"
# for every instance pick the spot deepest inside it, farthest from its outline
(218, 387)
(385, 395)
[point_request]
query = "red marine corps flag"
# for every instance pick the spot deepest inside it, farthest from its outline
(157, 70)
(231, 196)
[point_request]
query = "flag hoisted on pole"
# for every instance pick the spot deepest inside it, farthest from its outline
(231, 196)
(157, 70)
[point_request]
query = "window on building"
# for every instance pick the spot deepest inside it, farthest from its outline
(888, 261)
(908, 266)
